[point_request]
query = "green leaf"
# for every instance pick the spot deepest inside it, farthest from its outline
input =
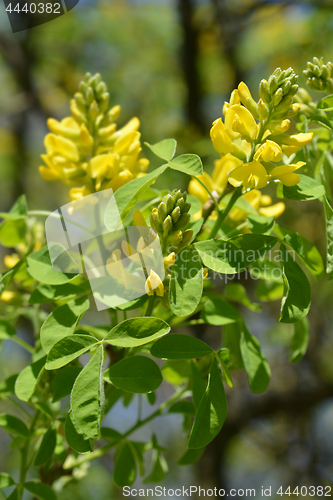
(265, 269)
(6, 480)
(186, 283)
(179, 346)
(184, 406)
(6, 330)
(268, 291)
(164, 149)
(75, 437)
(135, 374)
(199, 385)
(329, 239)
(124, 473)
(63, 382)
(110, 435)
(68, 349)
(127, 196)
(12, 232)
(224, 358)
(234, 255)
(176, 371)
(195, 225)
(259, 224)
(322, 120)
(47, 447)
(237, 293)
(51, 293)
(307, 252)
(189, 164)
(29, 377)
(13, 425)
(40, 268)
(297, 295)
(137, 331)
(62, 322)
(211, 412)
(306, 189)
(159, 469)
(217, 311)
(231, 341)
(6, 278)
(18, 210)
(255, 363)
(191, 456)
(40, 490)
(326, 102)
(13, 495)
(87, 398)
(300, 340)
(7, 386)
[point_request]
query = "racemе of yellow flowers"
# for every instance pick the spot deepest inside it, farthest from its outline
(86, 150)
(253, 135)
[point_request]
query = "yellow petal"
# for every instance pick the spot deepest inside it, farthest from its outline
(269, 151)
(240, 122)
(11, 260)
(48, 174)
(139, 219)
(223, 167)
(154, 283)
(119, 180)
(103, 165)
(251, 175)
(64, 147)
(274, 210)
(197, 190)
(77, 193)
(221, 140)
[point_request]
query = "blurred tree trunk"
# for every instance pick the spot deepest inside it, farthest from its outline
(189, 62)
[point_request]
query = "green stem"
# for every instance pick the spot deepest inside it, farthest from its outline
(151, 304)
(223, 213)
(104, 449)
(17, 405)
(208, 191)
(24, 344)
(24, 458)
(188, 323)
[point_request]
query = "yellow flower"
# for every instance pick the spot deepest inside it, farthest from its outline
(217, 182)
(290, 144)
(239, 123)
(269, 151)
(250, 175)
(285, 173)
(11, 260)
(221, 140)
(261, 203)
(154, 284)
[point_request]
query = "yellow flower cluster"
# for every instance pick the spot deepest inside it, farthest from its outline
(261, 203)
(86, 150)
(254, 146)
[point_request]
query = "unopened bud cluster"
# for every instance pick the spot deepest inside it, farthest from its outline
(276, 95)
(319, 75)
(170, 219)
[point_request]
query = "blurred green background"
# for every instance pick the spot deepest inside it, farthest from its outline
(172, 64)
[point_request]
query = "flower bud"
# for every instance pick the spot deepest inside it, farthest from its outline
(162, 210)
(175, 214)
(262, 109)
(264, 91)
(167, 226)
(183, 221)
(277, 97)
(155, 220)
(175, 238)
